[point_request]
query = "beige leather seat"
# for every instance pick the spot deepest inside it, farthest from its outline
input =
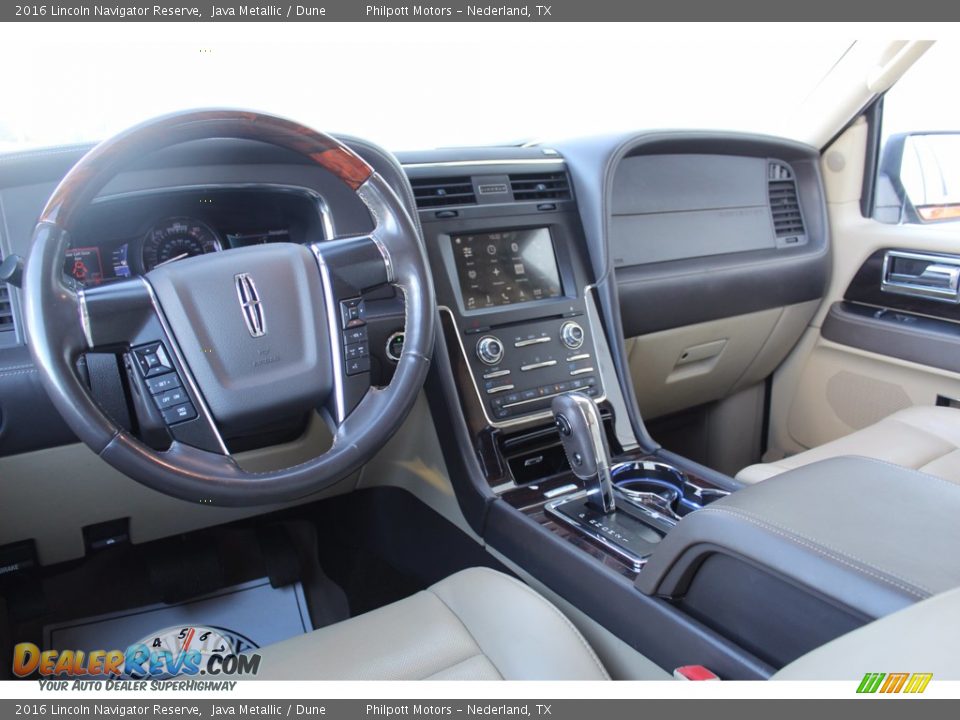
(922, 438)
(478, 624)
(482, 625)
(922, 638)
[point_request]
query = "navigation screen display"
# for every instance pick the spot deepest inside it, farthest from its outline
(506, 268)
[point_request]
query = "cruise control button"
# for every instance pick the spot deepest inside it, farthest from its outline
(356, 350)
(170, 398)
(179, 413)
(358, 365)
(162, 383)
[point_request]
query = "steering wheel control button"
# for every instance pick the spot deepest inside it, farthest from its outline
(571, 335)
(153, 360)
(394, 346)
(179, 413)
(355, 335)
(162, 383)
(171, 398)
(356, 350)
(490, 350)
(358, 365)
(351, 312)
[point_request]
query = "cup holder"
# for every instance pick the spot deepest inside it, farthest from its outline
(662, 486)
(650, 477)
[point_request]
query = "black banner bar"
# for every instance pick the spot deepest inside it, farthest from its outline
(459, 11)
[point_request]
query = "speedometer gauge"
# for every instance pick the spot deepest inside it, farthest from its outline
(178, 238)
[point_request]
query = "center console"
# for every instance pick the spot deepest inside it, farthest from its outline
(679, 562)
(522, 330)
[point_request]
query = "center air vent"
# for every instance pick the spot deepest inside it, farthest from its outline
(439, 192)
(540, 186)
(785, 204)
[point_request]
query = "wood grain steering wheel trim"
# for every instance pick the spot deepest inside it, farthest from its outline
(98, 166)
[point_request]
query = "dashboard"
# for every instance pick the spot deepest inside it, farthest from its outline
(128, 235)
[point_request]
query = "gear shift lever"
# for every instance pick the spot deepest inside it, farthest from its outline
(581, 430)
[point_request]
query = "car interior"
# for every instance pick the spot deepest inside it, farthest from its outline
(588, 409)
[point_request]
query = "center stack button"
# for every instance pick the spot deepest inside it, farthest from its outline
(490, 350)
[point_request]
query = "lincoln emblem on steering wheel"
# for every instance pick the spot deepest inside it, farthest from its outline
(251, 305)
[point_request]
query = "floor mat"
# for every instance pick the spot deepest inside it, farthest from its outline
(242, 617)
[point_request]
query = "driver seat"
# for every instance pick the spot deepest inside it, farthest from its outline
(477, 624)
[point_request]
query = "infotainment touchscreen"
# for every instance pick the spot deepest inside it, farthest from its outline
(506, 268)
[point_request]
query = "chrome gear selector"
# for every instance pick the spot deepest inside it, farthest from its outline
(577, 417)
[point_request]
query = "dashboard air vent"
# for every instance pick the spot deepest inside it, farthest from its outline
(439, 192)
(6, 309)
(784, 202)
(540, 186)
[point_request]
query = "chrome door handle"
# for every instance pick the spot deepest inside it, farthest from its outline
(938, 279)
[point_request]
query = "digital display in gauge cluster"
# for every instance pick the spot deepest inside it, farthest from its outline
(83, 265)
(86, 264)
(506, 268)
(169, 240)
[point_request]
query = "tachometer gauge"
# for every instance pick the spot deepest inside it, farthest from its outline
(178, 238)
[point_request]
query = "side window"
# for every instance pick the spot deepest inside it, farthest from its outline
(918, 172)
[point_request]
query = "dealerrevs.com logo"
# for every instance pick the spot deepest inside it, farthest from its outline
(891, 683)
(171, 652)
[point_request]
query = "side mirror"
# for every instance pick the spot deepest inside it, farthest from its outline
(919, 178)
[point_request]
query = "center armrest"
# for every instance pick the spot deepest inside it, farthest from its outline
(867, 535)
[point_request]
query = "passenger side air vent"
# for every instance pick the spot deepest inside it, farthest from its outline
(440, 192)
(540, 186)
(785, 205)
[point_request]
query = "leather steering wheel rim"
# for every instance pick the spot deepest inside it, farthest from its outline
(57, 318)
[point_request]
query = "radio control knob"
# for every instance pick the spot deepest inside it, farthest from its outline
(571, 334)
(489, 350)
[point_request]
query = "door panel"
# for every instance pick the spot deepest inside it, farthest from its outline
(867, 353)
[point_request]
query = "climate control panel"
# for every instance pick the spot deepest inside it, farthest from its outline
(519, 368)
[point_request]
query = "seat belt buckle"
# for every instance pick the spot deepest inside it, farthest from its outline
(694, 672)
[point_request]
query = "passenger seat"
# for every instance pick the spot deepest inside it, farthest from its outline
(921, 438)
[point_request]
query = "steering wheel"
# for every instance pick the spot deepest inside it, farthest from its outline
(218, 345)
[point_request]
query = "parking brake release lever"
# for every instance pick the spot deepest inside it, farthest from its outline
(577, 417)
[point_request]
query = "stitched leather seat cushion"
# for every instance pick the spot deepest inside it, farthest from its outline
(478, 624)
(921, 438)
(922, 638)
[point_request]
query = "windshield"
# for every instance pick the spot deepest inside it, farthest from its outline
(407, 86)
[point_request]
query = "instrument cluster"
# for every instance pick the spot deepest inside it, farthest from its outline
(126, 237)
